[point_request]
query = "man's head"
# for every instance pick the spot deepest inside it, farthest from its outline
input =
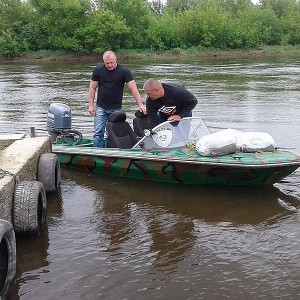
(110, 60)
(154, 89)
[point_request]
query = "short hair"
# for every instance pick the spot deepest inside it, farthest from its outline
(151, 84)
(109, 53)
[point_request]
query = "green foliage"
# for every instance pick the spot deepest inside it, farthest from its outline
(60, 20)
(281, 8)
(157, 6)
(35, 39)
(10, 45)
(86, 26)
(236, 6)
(181, 5)
(164, 33)
(104, 31)
(266, 24)
(205, 26)
(14, 14)
(291, 28)
(136, 14)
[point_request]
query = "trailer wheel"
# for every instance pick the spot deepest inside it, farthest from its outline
(29, 207)
(7, 257)
(48, 172)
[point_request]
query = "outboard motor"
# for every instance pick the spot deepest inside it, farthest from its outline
(59, 120)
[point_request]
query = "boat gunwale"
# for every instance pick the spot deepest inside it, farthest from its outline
(119, 153)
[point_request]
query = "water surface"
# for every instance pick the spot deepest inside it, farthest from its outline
(111, 238)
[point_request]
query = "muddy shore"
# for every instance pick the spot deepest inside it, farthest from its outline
(265, 52)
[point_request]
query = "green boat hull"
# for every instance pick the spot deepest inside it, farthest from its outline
(182, 166)
(168, 154)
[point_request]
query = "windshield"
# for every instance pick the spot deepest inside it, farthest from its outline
(174, 134)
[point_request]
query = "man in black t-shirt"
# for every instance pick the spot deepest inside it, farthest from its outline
(167, 102)
(110, 79)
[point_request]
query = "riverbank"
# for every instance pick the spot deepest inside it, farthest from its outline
(268, 51)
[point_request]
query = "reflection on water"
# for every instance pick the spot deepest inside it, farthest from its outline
(237, 205)
(109, 238)
(115, 239)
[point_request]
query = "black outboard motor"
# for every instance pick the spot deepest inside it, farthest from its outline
(59, 120)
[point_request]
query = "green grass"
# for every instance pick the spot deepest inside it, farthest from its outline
(157, 54)
(47, 53)
(210, 52)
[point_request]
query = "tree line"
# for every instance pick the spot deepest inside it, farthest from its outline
(92, 26)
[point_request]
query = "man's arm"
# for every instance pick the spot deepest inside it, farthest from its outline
(136, 95)
(189, 106)
(151, 113)
(189, 102)
(91, 96)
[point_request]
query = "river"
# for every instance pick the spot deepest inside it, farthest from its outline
(112, 238)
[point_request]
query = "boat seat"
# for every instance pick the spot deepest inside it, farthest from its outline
(119, 132)
(140, 122)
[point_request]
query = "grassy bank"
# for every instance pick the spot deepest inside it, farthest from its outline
(267, 51)
(213, 53)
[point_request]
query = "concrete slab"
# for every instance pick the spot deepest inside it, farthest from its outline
(19, 162)
(8, 139)
(7, 187)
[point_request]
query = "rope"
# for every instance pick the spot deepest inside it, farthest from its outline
(191, 145)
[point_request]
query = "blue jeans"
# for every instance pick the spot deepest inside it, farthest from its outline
(163, 118)
(100, 120)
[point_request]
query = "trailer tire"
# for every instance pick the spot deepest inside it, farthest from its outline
(29, 207)
(7, 257)
(48, 172)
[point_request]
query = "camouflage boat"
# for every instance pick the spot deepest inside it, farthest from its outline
(167, 154)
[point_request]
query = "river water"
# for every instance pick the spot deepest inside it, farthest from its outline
(111, 238)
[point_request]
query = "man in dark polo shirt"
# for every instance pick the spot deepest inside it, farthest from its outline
(110, 79)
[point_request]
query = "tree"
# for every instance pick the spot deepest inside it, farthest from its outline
(60, 20)
(291, 28)
(164, 32)
(181, 5)
(10, 45)
(234, 6)
(205, 26)
(136, 14)
(105, 31)
(14, 15)
(281, 8)
(157, 6)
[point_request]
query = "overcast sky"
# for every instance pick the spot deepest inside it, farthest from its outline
(253, 1)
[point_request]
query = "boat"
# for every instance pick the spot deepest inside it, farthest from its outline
(167, 153)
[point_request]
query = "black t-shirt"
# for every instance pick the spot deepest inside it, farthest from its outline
(111, 85)
(175, 94)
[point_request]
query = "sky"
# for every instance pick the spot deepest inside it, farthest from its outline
(253, 1)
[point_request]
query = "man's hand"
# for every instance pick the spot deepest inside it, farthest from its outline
(174, 118)
(92, 110)
(143, 109)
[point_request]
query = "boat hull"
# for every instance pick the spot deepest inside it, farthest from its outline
(181, 167)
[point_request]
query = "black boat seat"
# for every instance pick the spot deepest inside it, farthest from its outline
(140, 122)
(119, 132)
